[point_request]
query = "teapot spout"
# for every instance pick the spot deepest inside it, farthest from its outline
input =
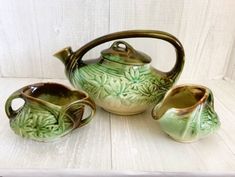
(64, 54)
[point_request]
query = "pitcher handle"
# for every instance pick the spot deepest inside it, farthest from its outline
(173, 73)
(210, 99)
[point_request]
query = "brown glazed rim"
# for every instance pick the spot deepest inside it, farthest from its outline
(43, 84)
(190, 86)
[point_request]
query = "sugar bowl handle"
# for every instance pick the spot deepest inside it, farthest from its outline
(11, 113)
(77, 106)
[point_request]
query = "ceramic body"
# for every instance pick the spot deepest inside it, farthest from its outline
(50, 111)
(121, 89)
(187, 113)
(122, 80)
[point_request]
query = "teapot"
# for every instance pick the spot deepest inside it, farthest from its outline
(121, 80)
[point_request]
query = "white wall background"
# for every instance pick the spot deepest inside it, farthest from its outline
(32, 30)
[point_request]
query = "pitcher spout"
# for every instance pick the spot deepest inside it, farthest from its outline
(158, 111)
(64, 54)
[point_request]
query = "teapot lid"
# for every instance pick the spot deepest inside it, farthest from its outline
(124, 53)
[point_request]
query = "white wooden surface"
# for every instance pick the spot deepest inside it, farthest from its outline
(121, 143)
(230, 74)
(31, 31)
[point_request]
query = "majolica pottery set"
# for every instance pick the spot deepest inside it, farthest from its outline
(121, 81)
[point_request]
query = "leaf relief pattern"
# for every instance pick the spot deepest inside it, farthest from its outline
(39, 124)
(134, 85)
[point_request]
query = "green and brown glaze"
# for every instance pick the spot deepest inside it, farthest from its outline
(50, 111)
(187, 113)
(122, 81)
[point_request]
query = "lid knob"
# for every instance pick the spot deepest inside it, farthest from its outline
(124, 53)
(122, 46)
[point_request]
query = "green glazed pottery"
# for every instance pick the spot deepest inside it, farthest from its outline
(121, 80)
(187, 113)
(50, 111)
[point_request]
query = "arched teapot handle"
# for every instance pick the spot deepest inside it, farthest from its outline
(173, 73)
